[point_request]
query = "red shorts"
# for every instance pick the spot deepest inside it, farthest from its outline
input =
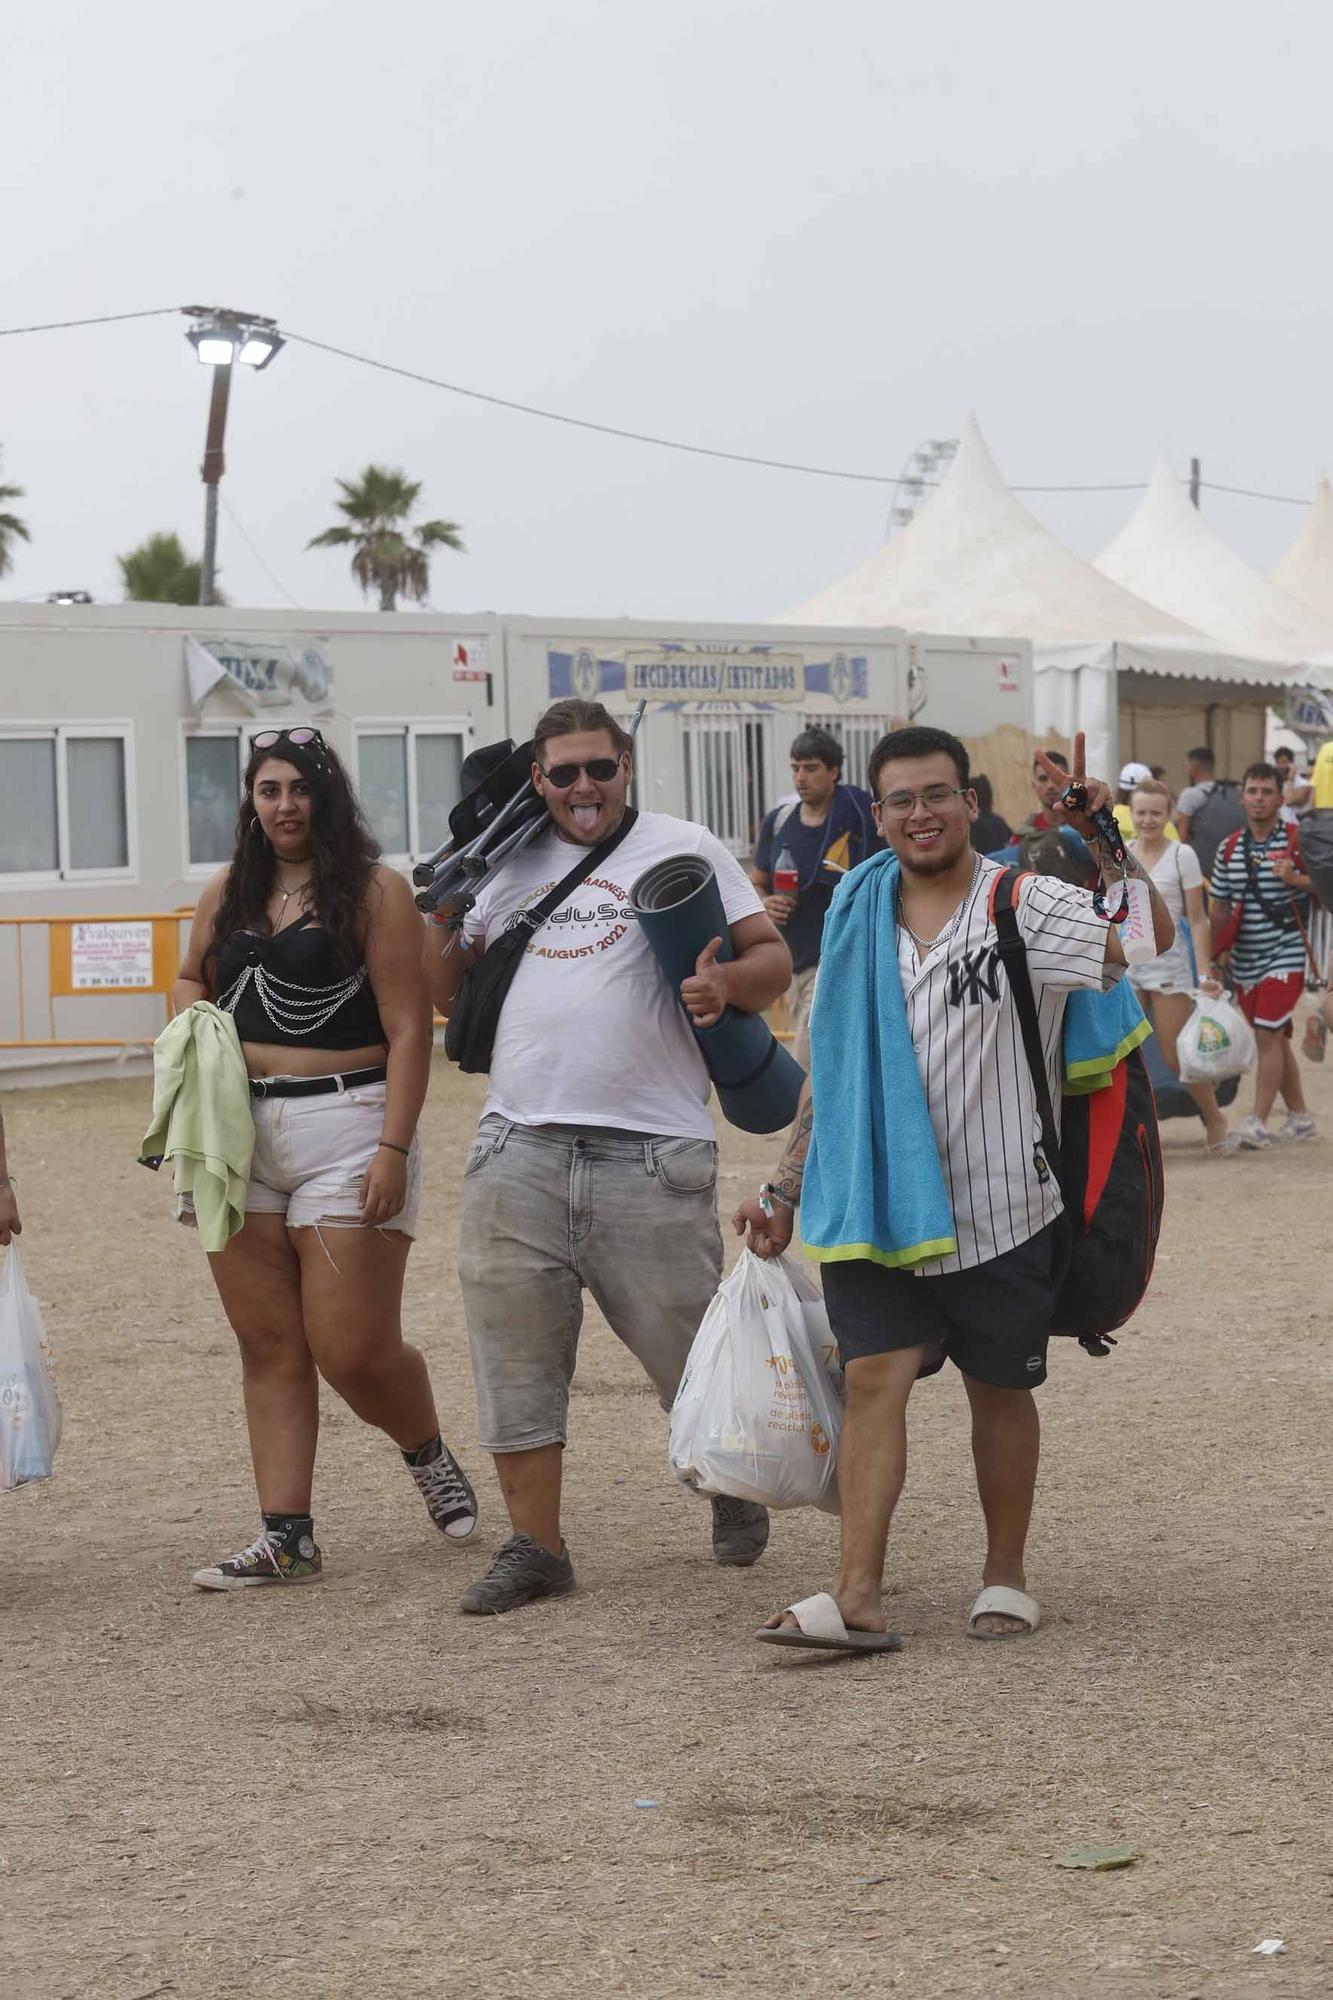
(1272, 1002)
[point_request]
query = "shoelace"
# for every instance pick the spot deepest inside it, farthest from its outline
(265, 1548)
(442, 1479)
(732, 1513)
(509, 1554)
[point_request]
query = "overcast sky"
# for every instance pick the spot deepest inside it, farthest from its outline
(815, 233)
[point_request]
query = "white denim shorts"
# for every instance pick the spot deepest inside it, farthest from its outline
(311, 1156)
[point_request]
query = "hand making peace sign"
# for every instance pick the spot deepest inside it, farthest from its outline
(1099, 792)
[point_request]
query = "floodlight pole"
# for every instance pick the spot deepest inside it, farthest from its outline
(212, 470)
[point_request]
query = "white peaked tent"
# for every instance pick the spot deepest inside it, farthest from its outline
(975, 561)
(1167, 551)
(1306, 570)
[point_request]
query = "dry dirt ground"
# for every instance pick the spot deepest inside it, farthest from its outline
(348, 1790)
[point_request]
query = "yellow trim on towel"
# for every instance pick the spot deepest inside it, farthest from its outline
(845, 1253)
(1095, 1074)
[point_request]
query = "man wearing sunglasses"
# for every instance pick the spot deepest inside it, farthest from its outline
(594, 1167)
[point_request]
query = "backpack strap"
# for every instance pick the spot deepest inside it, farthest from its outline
(1231, 843)
(1014, 958)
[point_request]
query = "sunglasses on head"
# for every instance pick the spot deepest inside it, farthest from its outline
(600, 769)
(303, 738)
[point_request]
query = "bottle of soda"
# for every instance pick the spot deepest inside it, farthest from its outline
(786, 875)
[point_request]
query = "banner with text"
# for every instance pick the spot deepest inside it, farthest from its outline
(757, 676)
(264, 673)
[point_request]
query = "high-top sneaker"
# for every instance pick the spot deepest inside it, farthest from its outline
(270, 1558)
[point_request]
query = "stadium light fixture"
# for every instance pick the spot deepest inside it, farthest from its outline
(220, 339)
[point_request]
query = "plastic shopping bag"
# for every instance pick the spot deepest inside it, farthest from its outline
(1216, 1042)
(759, 1406)
(29, 1403)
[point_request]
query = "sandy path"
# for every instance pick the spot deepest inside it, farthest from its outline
(348, 1790)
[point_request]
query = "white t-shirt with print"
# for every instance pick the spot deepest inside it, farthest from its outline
(591, 1032)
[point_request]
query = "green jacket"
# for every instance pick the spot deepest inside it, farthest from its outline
(202, 1119)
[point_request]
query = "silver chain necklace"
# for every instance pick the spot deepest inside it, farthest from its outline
(924, 946)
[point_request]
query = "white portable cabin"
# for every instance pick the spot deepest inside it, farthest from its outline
(124, 731)
(725, 701)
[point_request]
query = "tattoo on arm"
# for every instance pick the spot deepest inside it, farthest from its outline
(791, 1170)
(1111, 873)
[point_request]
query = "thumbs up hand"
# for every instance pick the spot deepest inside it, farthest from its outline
(705, 991)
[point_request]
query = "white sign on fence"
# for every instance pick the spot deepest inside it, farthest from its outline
(111, 955)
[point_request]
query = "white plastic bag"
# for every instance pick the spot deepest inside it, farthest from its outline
(1216, 1042)
(29, 1402)
(759, 1406)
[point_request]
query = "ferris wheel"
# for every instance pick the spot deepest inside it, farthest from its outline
(918, 480)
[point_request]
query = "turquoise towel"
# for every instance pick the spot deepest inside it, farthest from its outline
(860, 1198)
(1100, 1030)
(855, 1201)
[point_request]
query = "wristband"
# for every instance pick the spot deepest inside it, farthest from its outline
(406, 1151)
(768, 1194)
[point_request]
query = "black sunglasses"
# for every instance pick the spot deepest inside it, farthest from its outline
(303, 738)
(600, 769)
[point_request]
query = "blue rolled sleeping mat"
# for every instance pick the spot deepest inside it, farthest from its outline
(679, 906)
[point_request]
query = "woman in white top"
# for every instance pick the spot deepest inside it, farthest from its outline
(1166, 984)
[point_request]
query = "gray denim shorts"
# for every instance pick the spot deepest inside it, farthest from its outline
(548, 1210)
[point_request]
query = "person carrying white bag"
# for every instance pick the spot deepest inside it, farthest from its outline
(29, 1403)
(759, 1405)
(1216, 1041)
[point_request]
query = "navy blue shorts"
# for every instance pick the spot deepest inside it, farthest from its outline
(992, 1322)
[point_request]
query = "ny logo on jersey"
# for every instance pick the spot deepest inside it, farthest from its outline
(968, 975)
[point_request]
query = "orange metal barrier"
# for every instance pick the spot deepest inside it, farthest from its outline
(90, 957)
(134, 955)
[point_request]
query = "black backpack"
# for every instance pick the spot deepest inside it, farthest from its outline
(1108, 1162)
(1220, 814)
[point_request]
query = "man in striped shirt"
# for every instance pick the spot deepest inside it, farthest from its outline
(1260, 895)
(988, 1306)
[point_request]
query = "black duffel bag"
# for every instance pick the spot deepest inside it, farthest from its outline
(469, 1035)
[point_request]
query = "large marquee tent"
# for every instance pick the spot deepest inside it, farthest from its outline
(1107, 659)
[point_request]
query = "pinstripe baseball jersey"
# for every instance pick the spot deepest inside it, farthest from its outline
(969, 1050)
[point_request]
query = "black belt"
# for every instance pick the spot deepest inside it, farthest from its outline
(315, 1086)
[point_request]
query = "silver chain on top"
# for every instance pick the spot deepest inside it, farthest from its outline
(293, 1010)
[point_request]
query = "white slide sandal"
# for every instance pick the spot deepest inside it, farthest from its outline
(998, 1597)
(819, 1624)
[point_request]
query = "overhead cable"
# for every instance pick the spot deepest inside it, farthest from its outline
(639, 437)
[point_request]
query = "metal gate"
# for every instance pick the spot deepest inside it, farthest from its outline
(858, 735)
(727, 775)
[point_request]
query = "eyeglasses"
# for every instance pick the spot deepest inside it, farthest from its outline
(934, 797)
(303, 738)
(600, 769)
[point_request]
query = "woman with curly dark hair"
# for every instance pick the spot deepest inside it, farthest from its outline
(314, 949)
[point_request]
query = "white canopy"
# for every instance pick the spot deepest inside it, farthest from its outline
(1168, 552)
(976, 562)
(1306, 570)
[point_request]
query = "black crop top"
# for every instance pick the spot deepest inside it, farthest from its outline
(285, 988)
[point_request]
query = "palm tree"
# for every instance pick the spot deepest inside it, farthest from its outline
(160, 572)
(12, 528)
(389, 555)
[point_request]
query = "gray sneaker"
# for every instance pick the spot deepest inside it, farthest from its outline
(521, 1571)
(740, 1532)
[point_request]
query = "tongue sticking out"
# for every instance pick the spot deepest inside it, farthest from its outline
(585, 817)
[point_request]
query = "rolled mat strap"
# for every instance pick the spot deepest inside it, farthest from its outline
(679, 906)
